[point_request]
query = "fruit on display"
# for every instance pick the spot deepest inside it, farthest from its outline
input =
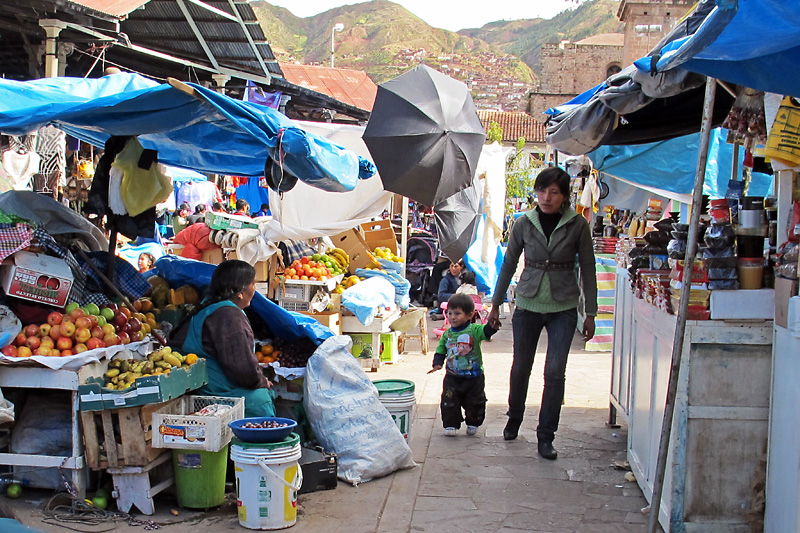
(289, 354)
(385, 253)
(341, 258)
(266, 424)
(308, 269)
(79, 329)
(122, 373)
(14, 491)
(346, 283)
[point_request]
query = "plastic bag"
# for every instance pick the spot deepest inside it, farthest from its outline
(402, 286)
(348, 417)
(364, 298)
(10, 326)
(6, 411)
(142, 188)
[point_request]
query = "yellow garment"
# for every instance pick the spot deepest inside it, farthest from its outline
(783, 143)
(141, 189)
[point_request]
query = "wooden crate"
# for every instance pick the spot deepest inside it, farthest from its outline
(129, 428)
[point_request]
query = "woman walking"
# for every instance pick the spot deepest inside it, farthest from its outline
(552, 236)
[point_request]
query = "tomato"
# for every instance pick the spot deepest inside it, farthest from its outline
(304, 259)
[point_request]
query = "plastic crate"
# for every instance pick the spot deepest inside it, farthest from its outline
(174, 427)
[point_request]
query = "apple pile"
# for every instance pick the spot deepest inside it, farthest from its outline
(79, 329)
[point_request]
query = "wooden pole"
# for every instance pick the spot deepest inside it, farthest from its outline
(680, 328)
(404, 235)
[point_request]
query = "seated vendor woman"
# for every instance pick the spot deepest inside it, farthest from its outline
(219, 330)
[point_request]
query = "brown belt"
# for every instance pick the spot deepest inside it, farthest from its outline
(550, 265)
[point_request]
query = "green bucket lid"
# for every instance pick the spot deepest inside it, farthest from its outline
(290, 441)
(393, 386)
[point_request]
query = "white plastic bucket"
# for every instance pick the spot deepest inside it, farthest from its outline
(268, 478)
(397, 395)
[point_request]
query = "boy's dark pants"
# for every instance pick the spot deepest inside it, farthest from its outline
(463, 393)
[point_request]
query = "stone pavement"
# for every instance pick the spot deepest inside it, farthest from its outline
(477, 483)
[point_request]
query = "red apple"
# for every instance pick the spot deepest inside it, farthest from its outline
(24, 351)
(125, 311)
(124, 338)
(135, 324)
(64, 343)
(93, 319)
(136, 336)
(55, 331)
(65, 353)
(108, 329)
(20, 339)
(125, 328)
(80, 347)
(44, 330)
(111, 305)
(91, 344)
(120, 319)
(110, 339)
(46, 342)
(67, 329)
(33, 342)
(31, 330)
(55, 318)
(9, 351)
(83, 322)
(76, 313)
(97, 332)
(82, 335)
(42, 351)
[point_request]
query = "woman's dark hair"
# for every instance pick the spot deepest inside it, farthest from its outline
(242, 205)
(468, 277)
(552, 176)
(230, 278)
(461, 301)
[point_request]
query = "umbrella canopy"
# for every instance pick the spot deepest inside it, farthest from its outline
(424, 135)
(457, 220)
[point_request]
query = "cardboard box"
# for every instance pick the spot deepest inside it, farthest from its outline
(264, 269)
(379, 234)
(743, 304)
(352, 242)
(362, 346)
(784, 290)
(320, 469)
(37, 277)
(215, 256)
(216, 220)
(330, 319)
(148, 389)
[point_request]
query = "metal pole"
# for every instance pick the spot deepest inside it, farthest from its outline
(735, 164)
(333, 31)
(404, 234)
(680, 328)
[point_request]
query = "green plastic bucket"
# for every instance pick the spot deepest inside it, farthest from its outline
(200, 477)
(397, 395)
(268, 479)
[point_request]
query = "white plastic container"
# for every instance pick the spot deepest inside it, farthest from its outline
(397, 395)
(176, 427)
(268, 478)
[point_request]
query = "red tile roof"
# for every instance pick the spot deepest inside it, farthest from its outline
(117, 8)
(352, 87)
(604, 39)
(514, 125)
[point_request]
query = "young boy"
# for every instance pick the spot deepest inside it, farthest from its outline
(459, 351)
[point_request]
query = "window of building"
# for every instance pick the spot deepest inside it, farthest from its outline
(612, 69)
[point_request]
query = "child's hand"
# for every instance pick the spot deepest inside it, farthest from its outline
(434, 369)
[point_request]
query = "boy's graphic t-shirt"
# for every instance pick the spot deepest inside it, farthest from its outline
(462, 349)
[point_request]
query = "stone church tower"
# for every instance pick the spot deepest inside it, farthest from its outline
(569, 69)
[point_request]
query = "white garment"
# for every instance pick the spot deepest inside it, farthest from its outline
(492, 168)
(20, 167)
(114, 195)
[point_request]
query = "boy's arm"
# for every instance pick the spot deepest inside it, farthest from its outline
(441, 352)
(488, 331)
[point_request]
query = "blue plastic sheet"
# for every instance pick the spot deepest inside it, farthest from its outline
(485, 274)
(208, 132)
(285, 324)
(363, 299)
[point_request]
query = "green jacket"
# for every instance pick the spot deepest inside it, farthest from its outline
(572, 238)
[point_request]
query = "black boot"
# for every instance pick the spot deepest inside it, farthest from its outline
(547, 451)
(512, 428)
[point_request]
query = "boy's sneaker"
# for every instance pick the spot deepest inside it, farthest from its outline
(450, 432)
(472, 430)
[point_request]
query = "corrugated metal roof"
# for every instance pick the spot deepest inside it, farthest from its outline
(353, 87)
(604, 39)
(514, 125)
(117, 8)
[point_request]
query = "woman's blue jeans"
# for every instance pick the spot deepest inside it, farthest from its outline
(527, 327)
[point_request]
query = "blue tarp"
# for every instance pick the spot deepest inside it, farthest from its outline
(671, 165)
(581, 99)
(205, 131)
(285, 324)
(754, 43)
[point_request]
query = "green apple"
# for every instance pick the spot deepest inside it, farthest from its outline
(101, 320)
(70, 307)
(107, 313)
(14, 491)
(101, 502)
(91, 309)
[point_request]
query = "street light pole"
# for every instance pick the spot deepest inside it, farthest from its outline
(336, 27)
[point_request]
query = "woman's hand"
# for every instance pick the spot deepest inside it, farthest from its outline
(494, 318)
(588, 328)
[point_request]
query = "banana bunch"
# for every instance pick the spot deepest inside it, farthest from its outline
(340, 257)
(123, 372)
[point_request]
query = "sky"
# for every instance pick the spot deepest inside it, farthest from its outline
(448, 14)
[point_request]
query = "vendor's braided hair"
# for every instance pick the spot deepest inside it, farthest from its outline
(229, 278)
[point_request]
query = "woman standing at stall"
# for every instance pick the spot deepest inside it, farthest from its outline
(552, 235)
(220, 331)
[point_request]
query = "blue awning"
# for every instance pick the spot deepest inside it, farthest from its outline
(192, 128)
